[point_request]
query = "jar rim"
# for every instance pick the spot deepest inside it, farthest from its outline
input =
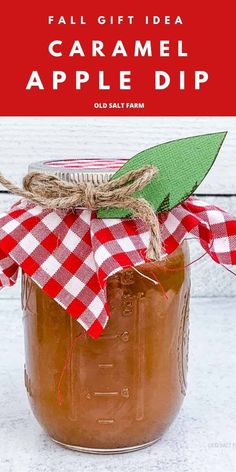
(84, 165)
(95, 169)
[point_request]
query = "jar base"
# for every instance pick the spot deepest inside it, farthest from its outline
(119, 450)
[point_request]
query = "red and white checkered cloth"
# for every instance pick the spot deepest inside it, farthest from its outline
(70, 255)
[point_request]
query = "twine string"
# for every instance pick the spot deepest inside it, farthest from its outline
(49, 191)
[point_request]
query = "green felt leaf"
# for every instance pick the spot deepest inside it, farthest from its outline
(182, 166)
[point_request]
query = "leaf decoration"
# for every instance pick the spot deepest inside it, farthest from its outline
(182, 165)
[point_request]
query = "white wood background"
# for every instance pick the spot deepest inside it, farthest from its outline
(23, 140)
(202, 438)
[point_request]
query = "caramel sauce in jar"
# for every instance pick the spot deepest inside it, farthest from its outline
(121, 391)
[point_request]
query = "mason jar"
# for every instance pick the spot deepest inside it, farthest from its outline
(122, 391)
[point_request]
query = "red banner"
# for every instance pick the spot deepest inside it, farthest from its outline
(123, 58)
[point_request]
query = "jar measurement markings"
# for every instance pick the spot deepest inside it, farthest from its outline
(140, 336)
(106, 394)
(105, 420)
(124, 392)
(105, 337)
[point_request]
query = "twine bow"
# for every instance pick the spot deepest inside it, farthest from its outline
(49, 191)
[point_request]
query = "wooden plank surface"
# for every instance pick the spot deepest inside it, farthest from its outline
(208, 278)
(202, 434)
(23, 140)
(201, 438)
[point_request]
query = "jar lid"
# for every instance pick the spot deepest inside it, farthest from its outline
(96, 170)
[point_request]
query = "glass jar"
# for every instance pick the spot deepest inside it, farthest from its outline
(121, 391)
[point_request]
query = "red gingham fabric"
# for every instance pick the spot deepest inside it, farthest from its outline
(70, 255)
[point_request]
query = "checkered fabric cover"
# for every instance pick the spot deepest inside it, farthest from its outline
(70, 255)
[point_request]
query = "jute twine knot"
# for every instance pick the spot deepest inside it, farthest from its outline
(50, 191)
